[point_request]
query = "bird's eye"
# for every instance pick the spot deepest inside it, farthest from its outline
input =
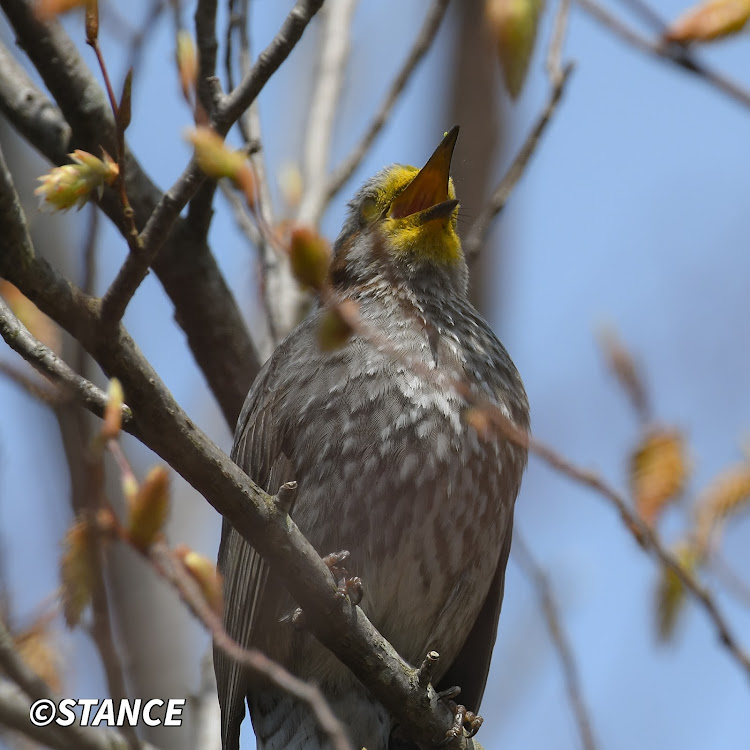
(369, 209)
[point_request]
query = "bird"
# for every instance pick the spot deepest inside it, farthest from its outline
(389, 465)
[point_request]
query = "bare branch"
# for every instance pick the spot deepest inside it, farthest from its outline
(333, 56)
(205, 37)
(170, 568)
(43, 359)
(30, 111)
(165, 428)
(539, 580)
(204, 305)
(646, 537)
(673, 53)
(268, 62)
(499, 198)
(554, 52)
(421, 44)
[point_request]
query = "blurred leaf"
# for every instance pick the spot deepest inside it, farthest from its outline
(76, 571)
(658, 472)
(187, 63)
(124, 109)
(310, 256)
(214, 157)
(514, 24)
(726, 496)
(46, 10)
(112, 422)
(38, 650)
(149, 508)
(38, 324)
(670, 592)
(710, 20)
(204, 572)
(623, 366)
(333, 329)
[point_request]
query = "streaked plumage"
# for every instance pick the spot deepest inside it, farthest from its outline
(387, 468)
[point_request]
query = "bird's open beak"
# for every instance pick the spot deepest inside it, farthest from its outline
(427, 193)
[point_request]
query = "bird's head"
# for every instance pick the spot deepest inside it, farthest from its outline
(403, 218)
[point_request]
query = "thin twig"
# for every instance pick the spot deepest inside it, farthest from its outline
(171, 569)
(646, 537)
(228, 109)
(45, 361)
(333, 56)
(268, 62)
(673, 53)
(541, 584)
(554, 53)
(205, 37)
(648, 14)
(499, 198)
(421, 44)
(34, 386)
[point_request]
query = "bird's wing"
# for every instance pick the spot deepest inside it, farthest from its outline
(258, 450)
(472, 665)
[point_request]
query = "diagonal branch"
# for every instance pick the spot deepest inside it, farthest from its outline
(268, 62)
(204, 305)
(499, 198)
(673, 53)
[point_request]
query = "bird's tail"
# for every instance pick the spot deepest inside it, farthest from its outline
(282, 722)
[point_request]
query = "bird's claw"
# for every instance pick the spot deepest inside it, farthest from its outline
(347, 586)
(465, 723)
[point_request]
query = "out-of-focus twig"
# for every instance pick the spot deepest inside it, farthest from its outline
(673, 53)
(170, 568)
(555, 50)
(332, 58)
(502, 192)
(541, 584)
(421, 44)
(43, 359)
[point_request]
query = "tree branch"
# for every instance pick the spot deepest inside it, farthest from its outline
(165, 428)
(421, 44)
(673, 53)
(204, 305)
(502, 192)
(333, 55)
(268, 62)
(540, 581)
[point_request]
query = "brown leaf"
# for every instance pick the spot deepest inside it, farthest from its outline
(149, 508)
(112, 422)
(38, 324)
(334, 330)
(623, 366)
(37, 648)
(204, 572)
(670, 592)
(710, 20)
(658, 472)
(310, 256)
(77, 571)
(514, 24)
(727, 495)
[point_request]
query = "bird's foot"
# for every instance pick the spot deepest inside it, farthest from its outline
(348, 586)
(465, 723)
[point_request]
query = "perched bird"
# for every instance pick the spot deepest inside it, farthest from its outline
(388, 466)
